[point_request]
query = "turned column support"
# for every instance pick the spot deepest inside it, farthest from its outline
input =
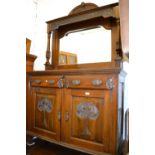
(48, 49)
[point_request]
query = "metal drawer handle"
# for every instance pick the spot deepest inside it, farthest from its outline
(51, 82)
(59, 115)
(76, 82)
(96, 82)
(36, 81)
(60, 82)
(67, 116)
(109, 83)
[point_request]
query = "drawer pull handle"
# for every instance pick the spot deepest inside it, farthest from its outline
(96, 82)
(51, 82)
(60, 83)
(67, 116)
(59, 115)
(36, 81)
(76, 82)
(109, 83)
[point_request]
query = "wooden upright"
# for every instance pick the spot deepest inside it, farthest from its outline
(29, 67)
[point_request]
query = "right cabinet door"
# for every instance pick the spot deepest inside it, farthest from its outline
(87, 119)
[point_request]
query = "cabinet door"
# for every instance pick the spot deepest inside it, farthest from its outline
(45, 112)
(86, 122)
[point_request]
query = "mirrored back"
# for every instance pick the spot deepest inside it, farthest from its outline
(85, 46)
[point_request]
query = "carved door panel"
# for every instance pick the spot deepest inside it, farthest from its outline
(86, 121)
(45, 112)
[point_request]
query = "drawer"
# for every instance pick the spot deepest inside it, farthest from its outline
(89, 81)
(49, 81)
(73, 81)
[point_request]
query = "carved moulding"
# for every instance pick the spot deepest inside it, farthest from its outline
(83, 7)
(105, 12)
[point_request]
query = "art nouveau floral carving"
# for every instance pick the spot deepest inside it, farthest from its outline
(87, 111)
(44, 105)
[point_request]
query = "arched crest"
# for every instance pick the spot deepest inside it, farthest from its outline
(83, 7)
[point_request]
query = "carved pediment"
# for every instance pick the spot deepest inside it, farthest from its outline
(83, 7)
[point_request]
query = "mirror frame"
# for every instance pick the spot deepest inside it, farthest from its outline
(82, 27)
(106, 16)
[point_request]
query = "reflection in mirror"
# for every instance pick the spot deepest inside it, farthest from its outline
(86, 46)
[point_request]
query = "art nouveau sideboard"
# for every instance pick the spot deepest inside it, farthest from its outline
(80, 105)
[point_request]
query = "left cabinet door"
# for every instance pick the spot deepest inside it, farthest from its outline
(45, 112)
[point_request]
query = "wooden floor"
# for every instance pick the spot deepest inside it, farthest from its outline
(46, 148)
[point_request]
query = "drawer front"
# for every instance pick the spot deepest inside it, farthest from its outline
(74, 81)
(46, 81)
(89, 81)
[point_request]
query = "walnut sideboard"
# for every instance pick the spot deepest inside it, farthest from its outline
(80, 105)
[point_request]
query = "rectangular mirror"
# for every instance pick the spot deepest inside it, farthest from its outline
(85, 46)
